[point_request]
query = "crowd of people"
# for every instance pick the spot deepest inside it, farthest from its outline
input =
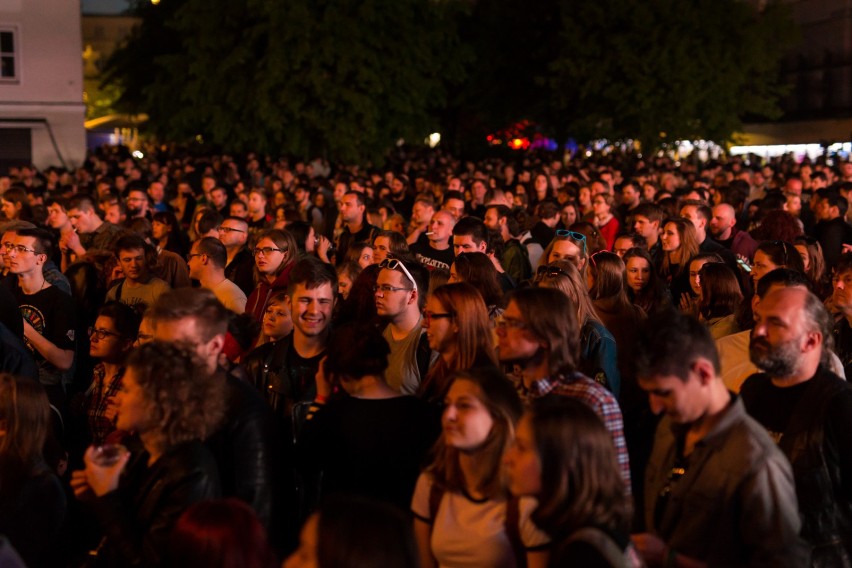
(588, 360)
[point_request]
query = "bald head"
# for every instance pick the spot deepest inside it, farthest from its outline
(723, 221)
(441, 229)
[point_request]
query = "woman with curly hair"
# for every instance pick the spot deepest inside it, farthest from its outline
(778, 225)
(168, 400)
(564, 457)
(463, 515)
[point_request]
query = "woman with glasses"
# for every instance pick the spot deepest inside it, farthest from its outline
(770, 255)
(459, 329)
(275, 255)
(679, 242)
(463, 513)
(598, 354)
(111, 339)
(563, 456)
(169, 402)
(643, 285)
(814, 263)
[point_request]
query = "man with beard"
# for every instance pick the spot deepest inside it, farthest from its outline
(807, 409)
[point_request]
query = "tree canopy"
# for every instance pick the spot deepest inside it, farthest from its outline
(346, 79)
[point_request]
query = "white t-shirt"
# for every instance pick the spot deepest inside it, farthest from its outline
(472, 534)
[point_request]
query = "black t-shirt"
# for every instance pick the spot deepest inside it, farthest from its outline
(433, 258)
(774, 407)
(51, 312)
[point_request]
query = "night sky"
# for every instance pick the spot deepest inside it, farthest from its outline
(104, 6)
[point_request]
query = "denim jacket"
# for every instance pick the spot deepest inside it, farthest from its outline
(598, 356)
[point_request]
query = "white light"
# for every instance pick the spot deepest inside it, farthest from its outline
(138, 155)
(434, 139)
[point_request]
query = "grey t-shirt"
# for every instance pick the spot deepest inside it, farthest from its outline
(402, 374)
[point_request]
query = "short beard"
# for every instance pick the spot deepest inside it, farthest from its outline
(781, 361)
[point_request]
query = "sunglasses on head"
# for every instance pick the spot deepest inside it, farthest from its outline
(579, 237)
(393, 264)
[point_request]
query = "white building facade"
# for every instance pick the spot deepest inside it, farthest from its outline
(41, 84)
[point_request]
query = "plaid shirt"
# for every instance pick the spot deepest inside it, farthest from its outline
(98, 397)
(602, 401)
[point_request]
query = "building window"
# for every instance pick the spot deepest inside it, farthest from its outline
(9, 68)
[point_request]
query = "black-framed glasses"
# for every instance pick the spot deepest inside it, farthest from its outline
(429, 316)
(579, 237)
(230, 230)
(193, 255)
(393, 264)
(102, 334)
(266, 251)
(385, 288)
(550, 271)
(20, 249)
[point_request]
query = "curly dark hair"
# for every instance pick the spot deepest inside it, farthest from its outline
(187, 404)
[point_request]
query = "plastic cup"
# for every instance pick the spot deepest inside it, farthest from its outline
(108, 454)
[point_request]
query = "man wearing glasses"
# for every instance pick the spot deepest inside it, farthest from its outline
(400, 296)
(206, 262)
(48, 313)
(239, 269)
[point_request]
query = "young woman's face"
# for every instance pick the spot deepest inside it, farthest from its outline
(111, 346)
(584, 196)
(134, 408)
(523, 466)
(344, 284)
(670, 238)
(466, 422)
(638, 273)
(440, 329)
(366, 258)
(806, 256)
(159, 230)
(277, 321)
(694, 279)
(600, 206)
(268, 263)
(564, 249)
(762, 265)
(10, 209)
(568, 216)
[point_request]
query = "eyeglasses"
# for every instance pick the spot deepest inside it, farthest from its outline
(429, 316)
(550, 272)
(143, 337)
(266, 251)
(385, 288)
(102, 334)
(230, 230)
(20, 249)
(393, 264)
(579, 237)
(193, 255)
(504, 322)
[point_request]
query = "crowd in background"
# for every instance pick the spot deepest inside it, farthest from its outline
(233, 361)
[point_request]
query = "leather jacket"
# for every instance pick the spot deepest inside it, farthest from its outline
(138, 517)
